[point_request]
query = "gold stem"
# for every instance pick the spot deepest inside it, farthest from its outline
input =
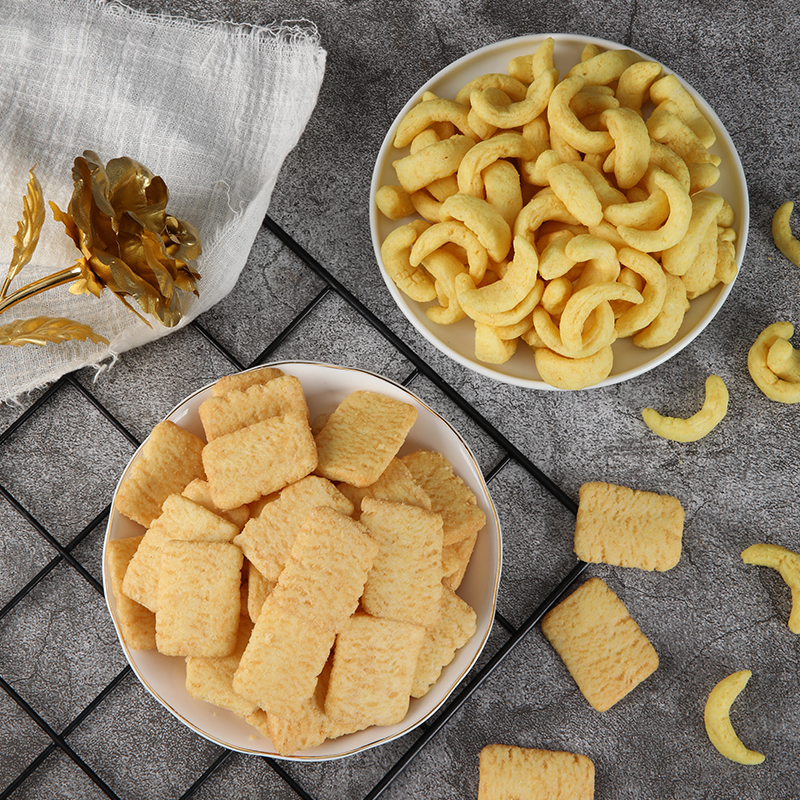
(42, 285)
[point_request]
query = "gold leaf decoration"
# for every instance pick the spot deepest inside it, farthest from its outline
(45, 330)
(28, 229)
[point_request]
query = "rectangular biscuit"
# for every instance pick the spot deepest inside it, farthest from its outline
(361, 436)
(199, 598)
(449, 495)
(242, 380)
(405, 582)
(282, 661)
(628, 528)
(267, 539)
(455, 627)
(182, 518)
(373, 669)
(327, 568)
(239, 408)
(169, 460)
(600, 644)
(198, 491)
(137, 623)
(141, 577)
(262, 458)
(211, 679)
(507, 772)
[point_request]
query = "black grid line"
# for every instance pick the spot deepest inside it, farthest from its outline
(63, 554)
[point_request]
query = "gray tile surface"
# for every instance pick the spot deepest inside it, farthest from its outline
(707, 617)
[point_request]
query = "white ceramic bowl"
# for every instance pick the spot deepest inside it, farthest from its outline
(325, 386)
(457, 341)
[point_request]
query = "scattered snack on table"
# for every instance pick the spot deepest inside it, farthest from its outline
(782, 233)
(600, 644)
(170, 459)
(715, 407)
(627, 527)
(507, 772)
(774, 365)
(718, 722)
(787, 562)
(310, 609)
(615, 152)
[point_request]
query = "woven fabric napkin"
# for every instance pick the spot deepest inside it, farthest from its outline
(211, 107)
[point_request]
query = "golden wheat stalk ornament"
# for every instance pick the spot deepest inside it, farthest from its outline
(117, 217)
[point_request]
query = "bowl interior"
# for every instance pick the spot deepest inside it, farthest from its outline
(325, 386)
(457, 340)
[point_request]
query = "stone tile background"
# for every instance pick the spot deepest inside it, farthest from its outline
(60, 455)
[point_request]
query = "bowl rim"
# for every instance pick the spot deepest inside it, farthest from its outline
(739, 184)
(484, 631)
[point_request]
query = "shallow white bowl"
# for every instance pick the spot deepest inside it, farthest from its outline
(457, 341)
(325, 386)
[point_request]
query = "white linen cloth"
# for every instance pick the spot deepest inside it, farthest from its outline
(211, 107)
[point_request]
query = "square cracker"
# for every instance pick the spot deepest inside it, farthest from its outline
(199, 598)
(182, 518)
(141, 576)
(628, 528)
(240, 408)
(169, 460)
(198, 491)
(373, 669)
(361, 436)
(267, 539)
(405, 582)
(282, 661)
(327, 568)
(242, 380)
(519, 773)
(449, 495)
(599, 642)
(137, 623)
(259, 459)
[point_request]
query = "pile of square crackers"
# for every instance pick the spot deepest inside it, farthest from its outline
(304, 570)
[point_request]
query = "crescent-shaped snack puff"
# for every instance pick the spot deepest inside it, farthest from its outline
(395, 252)
(787, 562)
(433, 162)
(664, 328)
(515, 114)
(679, 257)
(631, 145)
(718, 721)
(633, 86)
(565, 122)
(457, 232)
(572, 187)
(772, 385)
(654, 292)
(483, 219)
(444, 267)
(428, 112)
(574, 373)
(715, 407)
(782, 233)
(394, 202)
(504, 145)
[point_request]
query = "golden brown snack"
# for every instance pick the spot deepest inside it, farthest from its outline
(242, 380)
(182, 518)
(137, 623)
(198, 491)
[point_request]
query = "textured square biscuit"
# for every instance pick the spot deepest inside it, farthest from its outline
(361, 437)
(327, 568)
(455, 560)
(373, 669)
(240, 408)
(141, 577)
(211, 679)
(282, 661)
(449, 495)
(267, 539)
(184, 519)
(242, 380)
(628, 528)
(262, 458)
(169, 460)
(395, 484)
(405, 582)
(199, 598)
(198, 491)
(601, 645)
(519, 773)
(137, 623)
(455, 627)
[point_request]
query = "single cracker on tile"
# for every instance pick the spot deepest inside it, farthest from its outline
(283, 660)
(262, 458)
(267, 539)
(395, 483)
(373, 670)
(184, 519)
(199, 598)
(169, 460)
(600, 644)
(628, 528)
(198, 491)
(327, 568)
(240, 408)
(405, 582)
(508, 772)
(361, 436)
(211, 679)
(449, 495)
(137, 623)
(242, 380)
(456, 625)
